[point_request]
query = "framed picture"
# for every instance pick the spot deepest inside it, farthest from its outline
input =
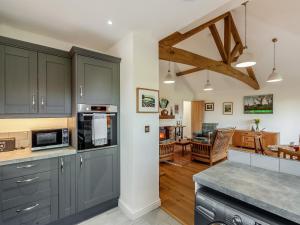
(209, 106)
(147, 100)
(227, 108)
(258, 104)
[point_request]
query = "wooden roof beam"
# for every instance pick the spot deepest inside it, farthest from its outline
(227, 38)
(177, 37)
(182, 56)
(214, 31)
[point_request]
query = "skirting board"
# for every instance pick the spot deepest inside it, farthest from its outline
(138, 213)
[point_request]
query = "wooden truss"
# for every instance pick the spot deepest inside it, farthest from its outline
(229, 53)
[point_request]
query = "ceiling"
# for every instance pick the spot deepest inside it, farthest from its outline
(84, 22)
(266, 19)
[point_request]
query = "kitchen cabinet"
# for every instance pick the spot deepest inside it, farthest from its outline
(29, 192)
(35, 81)
(67, 186)
(18, 81)
(97, 77)
(54, 84)
(97, 175)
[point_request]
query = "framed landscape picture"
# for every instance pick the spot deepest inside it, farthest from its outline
(258, 104)
(147, 100)
(209, 106)
(227, 108)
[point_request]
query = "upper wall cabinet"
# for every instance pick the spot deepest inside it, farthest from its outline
(18, 81)
(35, 81)
(97, 77)
(54, 84)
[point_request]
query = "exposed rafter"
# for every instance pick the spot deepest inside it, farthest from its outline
(227, 53)
(189, 58)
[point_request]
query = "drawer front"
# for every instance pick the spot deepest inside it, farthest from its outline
(249, 139)
(25, 189)
(27, 168)
(34, 213)
(249, 144)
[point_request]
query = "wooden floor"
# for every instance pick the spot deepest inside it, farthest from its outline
(177, 189)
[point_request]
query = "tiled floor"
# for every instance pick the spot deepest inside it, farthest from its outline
(116, 217)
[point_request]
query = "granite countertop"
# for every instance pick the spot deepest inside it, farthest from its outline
(275, 192)
(25, 155)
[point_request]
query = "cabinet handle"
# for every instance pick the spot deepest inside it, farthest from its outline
(42, 101)
(33, 102)
(81, 91)
(26, 166)
(27, 209)
(81, 161)
(27, 181)
(62, 165)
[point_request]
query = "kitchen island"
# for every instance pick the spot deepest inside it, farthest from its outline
(274, 192)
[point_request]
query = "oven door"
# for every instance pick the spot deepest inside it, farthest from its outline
(44, 139)
(86, 131)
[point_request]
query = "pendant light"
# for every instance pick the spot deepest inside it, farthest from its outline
(247, 58)
(208, 86)
(169, 78)
(274, 76)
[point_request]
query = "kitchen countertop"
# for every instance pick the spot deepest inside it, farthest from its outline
(275, 192)
(25, 155)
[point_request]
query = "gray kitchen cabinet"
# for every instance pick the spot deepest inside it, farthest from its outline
(97, 175)
(97, 81)
(67, 186)
(18, 81)
(29, 192)
(54, 84)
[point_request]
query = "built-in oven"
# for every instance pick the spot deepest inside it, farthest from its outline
(97, 126)
(50, 138)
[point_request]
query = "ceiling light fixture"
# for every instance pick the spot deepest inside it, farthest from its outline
(208, 86)
(274, 76)
(247, 58)
(169, 78)
(109, 22)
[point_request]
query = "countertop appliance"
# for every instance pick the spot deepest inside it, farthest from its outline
(97, 126)
(214, 208)
(50, 138)
(7, 144)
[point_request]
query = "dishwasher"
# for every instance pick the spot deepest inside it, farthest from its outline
(214, 208)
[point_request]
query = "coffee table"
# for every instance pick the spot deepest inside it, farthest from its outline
(183, 144)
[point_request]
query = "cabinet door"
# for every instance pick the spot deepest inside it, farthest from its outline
(67, 182)
(98, 81)
(54, 84)
(98, 177)
(18, 81)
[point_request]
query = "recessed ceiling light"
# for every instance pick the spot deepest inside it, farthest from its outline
(109, 22)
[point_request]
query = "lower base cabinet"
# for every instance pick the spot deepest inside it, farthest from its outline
(53, 190)
(67, 186)
(97, 175)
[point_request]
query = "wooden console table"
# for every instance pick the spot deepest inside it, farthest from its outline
(245, 138)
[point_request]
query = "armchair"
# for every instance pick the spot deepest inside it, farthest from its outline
(211, 153)
(207, 134)
(166, 151)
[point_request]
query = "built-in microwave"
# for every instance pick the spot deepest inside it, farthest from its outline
(50, 138)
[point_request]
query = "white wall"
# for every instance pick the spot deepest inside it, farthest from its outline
(139, 150)
(285, 118)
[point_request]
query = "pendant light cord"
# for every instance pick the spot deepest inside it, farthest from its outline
(274, 56)
(169, 70)
(245, 4)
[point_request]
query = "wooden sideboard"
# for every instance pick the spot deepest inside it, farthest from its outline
(245, 138)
